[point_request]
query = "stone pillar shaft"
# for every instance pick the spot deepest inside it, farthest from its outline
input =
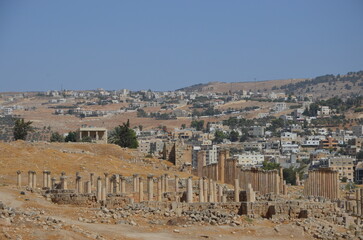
(159, 189)
(99, 189)
(34, 179)
(150, 187)
(141, 189)
(236, 190)
(201, 191)
(18, 178)
(123, 185)
(189, 190)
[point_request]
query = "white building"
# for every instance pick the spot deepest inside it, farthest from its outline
(8, 111)
(250, 159)
(324, 110)
(280, 106)
(258, 131)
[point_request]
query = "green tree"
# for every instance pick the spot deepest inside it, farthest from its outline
(312, 111)
(124, 136)
(270, 165)
(21, 129)
(141, 113)
(219, 136)
(290, 175)
(56, 137)
(71, 137)
(86, 139)
(198, 125)
(234, 136)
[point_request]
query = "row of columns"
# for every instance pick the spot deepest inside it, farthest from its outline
(209, 190)
(48, 182)
(323, 183)
(263, 181)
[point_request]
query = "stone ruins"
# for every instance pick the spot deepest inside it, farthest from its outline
(225, 187)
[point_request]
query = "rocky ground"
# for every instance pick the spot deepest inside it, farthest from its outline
(26, 215)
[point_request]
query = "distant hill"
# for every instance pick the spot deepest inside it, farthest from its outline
(328, 86)
(221, 87)
(320, 87)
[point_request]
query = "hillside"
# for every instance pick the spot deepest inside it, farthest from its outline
(319, 87)
(75, 157)
(327, 86)
(222, 87)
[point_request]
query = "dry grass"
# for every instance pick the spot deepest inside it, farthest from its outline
(75, 157)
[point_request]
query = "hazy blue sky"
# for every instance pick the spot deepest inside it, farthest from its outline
(165, 45)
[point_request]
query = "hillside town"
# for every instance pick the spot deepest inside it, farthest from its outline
(251, 150)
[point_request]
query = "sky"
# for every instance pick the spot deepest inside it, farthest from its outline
(166, 45)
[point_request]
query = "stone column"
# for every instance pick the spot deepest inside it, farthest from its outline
(80, 187)
(45, 179)
(30, 179)
(205, 189)
(49, 181)
(150, 187)
(162, 183)
(103, 194)
(251, 195)
(34, 179)
(281, 179)
(236, 190)
(189, 190)
(135, 187)
(201, 191)
(106, 183)
(220, 193)
(221, 164)
(159, 189)
(112, 184)
(63, 180)
(215, 191)
(91, 179)
(78, 184)
(53, 184)
(88, 187)
(123, 184)
(166, 183)
(358, 198)
(117, 183)
(211, 193)
(18, 178)
(99, 189)
(176, 183)
(141, 189)
(285, 188)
